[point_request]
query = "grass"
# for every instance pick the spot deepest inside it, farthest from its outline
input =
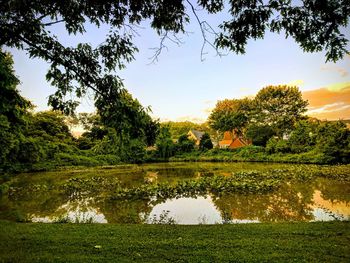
(279, 242)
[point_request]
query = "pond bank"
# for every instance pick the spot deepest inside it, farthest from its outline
(277, 242)
(245, 154)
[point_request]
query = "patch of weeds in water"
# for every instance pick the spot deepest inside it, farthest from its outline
(202, 220)
(81, 186)
(28, 190)
(339, 172)
(163, 219)
(216, 184)
(301, 173)
(64, 219)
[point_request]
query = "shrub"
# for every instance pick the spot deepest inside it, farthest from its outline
(71, 159)
(205, 142)
(275, 145)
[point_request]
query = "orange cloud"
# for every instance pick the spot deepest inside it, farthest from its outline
(329, 103)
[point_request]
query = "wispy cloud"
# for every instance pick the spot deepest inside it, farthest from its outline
(338, 106)
(331, 102)
(343, 72)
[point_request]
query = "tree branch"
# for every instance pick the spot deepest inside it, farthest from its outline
(205, 27)
(53, 23)
(63, 63)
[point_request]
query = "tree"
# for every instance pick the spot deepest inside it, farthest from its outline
(180, 128)
(128, 117)
(259, 134)
(231, 115)
(164, 143)
(279, 107)
(50, 125)
(184, 144)
(13, 109)
(314, 25)
(303, 137)
(333, 140)
(94, 129)
(205, 142)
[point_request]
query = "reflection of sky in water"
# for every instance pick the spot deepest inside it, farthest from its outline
(202, 210)
(188, 211)
(324, 215)
(325, 210)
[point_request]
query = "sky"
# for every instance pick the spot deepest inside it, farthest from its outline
(179, 86)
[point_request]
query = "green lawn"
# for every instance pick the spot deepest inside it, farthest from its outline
(284, 242)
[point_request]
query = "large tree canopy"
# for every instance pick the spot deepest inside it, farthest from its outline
(314, 25)
(231, 115)
(273, 111)
(279, 107)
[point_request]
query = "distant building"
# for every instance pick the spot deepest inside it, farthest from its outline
(233, 141)
(195, 136)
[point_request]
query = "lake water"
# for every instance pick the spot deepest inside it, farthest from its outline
(85, 196)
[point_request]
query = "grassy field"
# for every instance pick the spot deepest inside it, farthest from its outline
(280, 242)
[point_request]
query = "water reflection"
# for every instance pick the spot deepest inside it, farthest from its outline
(187, 211)
(40, 198)
(328, 210)
(77, 211)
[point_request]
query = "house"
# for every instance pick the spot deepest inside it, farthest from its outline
(195, 136)
(233, 141)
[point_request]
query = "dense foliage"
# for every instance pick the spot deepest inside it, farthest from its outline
(231, 115)
(280, 107)
(274, 111)
(205, 142)
(41, 138)
(180, 128)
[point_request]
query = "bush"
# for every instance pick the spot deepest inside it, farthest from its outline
(205, 142)
(30, 151)
(108, 159)
(249, 151)
(184, 144)
(275, 145)
(71, 159)
(134, 151)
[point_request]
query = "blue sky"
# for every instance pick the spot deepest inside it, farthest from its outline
(179, 86)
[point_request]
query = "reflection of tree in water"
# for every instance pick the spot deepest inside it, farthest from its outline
(333, 190)
(42, 204)
(124, 212)
(290, 203)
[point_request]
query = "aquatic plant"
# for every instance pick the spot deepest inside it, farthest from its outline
(216, 184)
(83, 186)
(162, 219)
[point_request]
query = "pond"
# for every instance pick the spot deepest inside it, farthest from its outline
(180, 193)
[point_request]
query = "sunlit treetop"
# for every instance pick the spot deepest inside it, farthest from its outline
(314, 25)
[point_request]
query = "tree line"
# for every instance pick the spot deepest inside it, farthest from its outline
(275, 119)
